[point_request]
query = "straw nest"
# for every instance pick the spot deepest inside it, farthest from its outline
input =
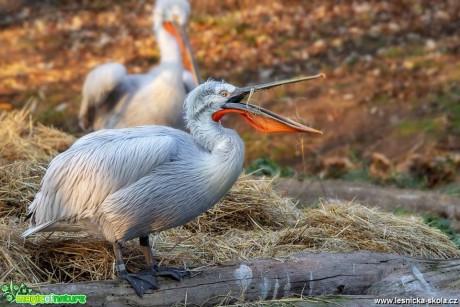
(22, 139)
(25, 148)
(251, 221)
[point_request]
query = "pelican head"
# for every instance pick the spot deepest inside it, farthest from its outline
(210, 101)
(172, 11)
(172, 16)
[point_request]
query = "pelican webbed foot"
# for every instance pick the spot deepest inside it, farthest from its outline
(140, 282)
(172, 272)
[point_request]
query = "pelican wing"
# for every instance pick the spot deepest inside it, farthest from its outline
(99, 83)
(80, 179)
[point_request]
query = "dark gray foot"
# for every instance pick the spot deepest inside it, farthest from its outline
(140, 282)
(175, 273)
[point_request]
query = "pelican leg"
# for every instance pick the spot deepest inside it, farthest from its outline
(140, 282)
(147, 250)
(153, 267)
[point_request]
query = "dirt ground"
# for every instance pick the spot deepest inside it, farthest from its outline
(390, 103)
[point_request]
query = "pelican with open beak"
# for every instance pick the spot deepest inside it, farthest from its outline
(259, 118)
(123, 184)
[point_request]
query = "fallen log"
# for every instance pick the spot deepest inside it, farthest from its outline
(387, 198)
(357, 278)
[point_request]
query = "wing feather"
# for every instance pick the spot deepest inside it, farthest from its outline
(99, 83)
(97, 165)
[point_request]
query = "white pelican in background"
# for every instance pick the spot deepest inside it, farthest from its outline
(126, 183)
(113, 99)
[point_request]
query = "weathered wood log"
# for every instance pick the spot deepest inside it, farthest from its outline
(387, 198)
(363, 274)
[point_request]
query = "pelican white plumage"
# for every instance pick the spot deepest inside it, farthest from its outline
(123, 184)
(114, 99)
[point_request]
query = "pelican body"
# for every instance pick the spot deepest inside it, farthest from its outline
(114, 99)
(123, 184)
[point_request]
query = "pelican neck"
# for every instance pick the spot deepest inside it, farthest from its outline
(170, 51)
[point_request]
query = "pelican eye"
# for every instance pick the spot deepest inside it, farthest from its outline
(224, 93)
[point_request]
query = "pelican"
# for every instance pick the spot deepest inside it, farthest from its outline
(123, 184)
(114, 99)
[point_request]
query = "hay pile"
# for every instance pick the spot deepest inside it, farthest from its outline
(25, 148)
(251, 221)
(22, 139)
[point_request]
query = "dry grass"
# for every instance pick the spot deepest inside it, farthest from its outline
(21, 139)
(19, 181)
(251, 221)
(24, 148)
(345, 227)
(251, 204)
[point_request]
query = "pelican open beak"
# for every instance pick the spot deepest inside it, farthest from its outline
(189, 62)
(260, 118)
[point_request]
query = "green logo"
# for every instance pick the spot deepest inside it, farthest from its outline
(20, 294)
(10, 291)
